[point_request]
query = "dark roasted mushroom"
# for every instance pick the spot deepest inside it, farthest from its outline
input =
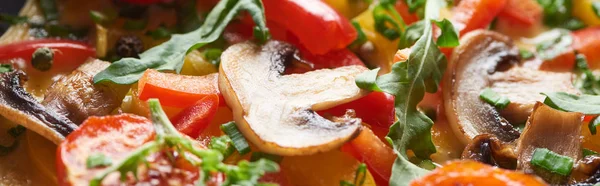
(490, 150)
(77, 97)
(263, 100)
(20, 107)
(488, 59)
(554, 130)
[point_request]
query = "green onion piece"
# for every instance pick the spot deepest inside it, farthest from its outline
(260, 155)
(361, 38)
(98, 17)
(593, 124)
(6, 68)
(222, 144)
(11, 19)
(360, 175)
(588, 152)
(427, 164)
(239, 142)
(97, 160)
(525, 54)
(135, 24)
(493, 98)
(213, 55)
(551, 161)
(382, 22)
(596, 8)
(159, 33)
(49, 9)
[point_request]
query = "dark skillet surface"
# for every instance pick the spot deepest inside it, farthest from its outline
(11, 7)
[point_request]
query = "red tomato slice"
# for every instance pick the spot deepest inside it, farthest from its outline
(408, 17)
(113, 136)
(470, 15)
(526, 12)
(319, 28)
(194, 119)
(176, 90)
(67, 53)
(376, 109)
(367, 148)
(587, 42)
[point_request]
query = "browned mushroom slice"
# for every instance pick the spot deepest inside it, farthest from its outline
(77, 97)
(20, 107)
(277, 112)
(490, 150)
(488, 59)
(554, 130)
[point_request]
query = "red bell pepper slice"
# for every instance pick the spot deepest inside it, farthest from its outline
(524, 12)
(176, 90)
(379, 157)
(194, 119)
(470, 15)
(376, 109)
(319, 28)
(407, 17)
(587, 42)
(67, 53)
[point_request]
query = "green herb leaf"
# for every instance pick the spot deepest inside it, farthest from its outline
(170, 54)
(552, 48)
(213, 55)
(584, 79)
(237, 138)
(383, 21)
(261, 155)
(414, 5)
(596, 8)
(551, 161)
(361, 37)
(367, 80)
(6, 68)
(558, 13)
(49, 9)
(588, 152)
(593, 124)
(586, 104)
(449, 36)
(222, 144)
(526, 54)
(99, 17)
(412, 33)
(97, 160)
(493, 98)
(13, 20)
(159, 33)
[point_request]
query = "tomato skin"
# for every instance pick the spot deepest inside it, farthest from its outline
(194, 119)
(408, 17)
(587, 42)
(376, 109)
(468, 172)
(470, 15)
(379, 157)
(114, 136)
(177, 90)
(318, 27)
(525, 12)
(67, 53)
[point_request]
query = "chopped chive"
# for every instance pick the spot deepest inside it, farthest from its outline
(98, 17)
(213, 55)
(222, 144)
(493, 98)
(361, 38)
(587, 152)
(593, 124)
(525, 54)
(551, 161)
(260, 155)
(238, 140)
(427, 164)
(97, 160)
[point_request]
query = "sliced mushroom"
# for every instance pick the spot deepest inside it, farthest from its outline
(488, 59)
(490, 150)
(277, 112)
(77, 97)
(554, 130)
(20, 107)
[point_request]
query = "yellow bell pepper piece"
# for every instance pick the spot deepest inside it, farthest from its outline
(196, 65)
(583, 10)
(383, 50)
(348, 8)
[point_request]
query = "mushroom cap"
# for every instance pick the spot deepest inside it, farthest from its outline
(277, 112)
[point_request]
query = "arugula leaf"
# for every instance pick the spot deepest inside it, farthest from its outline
(587, 152)
(413, 5)
(412, 33)
(585, 80)
(13, 20)
(6, 68)
(596, 8)
(97, 160)
(168, 138)
(558, 13)
(170, 55)
(368, 80)
(449, 36)
(586, 104)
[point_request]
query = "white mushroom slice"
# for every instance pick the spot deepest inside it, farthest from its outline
(554, 130)
(277, 112)
(488, 59)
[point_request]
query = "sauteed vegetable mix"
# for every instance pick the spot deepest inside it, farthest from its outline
(301, 92)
